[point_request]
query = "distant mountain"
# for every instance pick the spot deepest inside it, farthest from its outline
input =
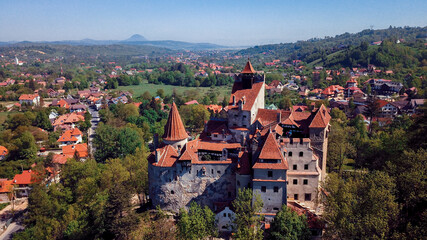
(176, 45)
(136, 38)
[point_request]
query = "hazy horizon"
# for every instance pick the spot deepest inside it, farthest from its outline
(220, 22)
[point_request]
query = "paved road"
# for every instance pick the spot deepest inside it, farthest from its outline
(13, 228)
(91, 132)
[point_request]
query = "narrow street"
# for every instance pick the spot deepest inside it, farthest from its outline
(91, 132)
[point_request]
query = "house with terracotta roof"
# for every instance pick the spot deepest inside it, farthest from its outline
(70, 137)
(79, 150)
(68, 121)
(3, 152)
(333, 91)
(22, 183)
(29, 99)
(387, 109)
(6, 189)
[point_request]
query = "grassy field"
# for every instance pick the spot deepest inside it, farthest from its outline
(152, 88)
(3, 116)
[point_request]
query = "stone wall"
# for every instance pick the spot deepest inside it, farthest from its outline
(205, 184)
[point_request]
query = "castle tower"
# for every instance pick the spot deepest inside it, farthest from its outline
(248, 76)
(175, 133)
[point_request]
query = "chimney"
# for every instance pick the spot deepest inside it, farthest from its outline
(156, 157)
(156, 140)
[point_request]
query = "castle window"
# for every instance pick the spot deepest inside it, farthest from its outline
(215, 135)
(229, 215)
(263, 189)
(294, 167)
(238, 183)
(276, 189)
(275, 209)
(219, 172)
(307, 197)
(270, 173)
(172, 192)
(295, 181)
(305, 166)
(290, 154)
(225, 214)
(212, 171)
(296, 196)
(291, 141)
(301, 154)
(305, 181)
(301, 141)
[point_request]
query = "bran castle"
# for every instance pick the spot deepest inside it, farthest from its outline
(280, 155)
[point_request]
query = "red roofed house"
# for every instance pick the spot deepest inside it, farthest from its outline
(69, 137)
(334, 91)
(22, 183)
(6, 188)
(3, 152)
(79, 150)
(387, 109)
(29, 99)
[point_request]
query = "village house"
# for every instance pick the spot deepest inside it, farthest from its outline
(3, 152)
(78, 150)
(29, 99)
(70, 137)
(22, 183)
(68, 121)
(6, 190)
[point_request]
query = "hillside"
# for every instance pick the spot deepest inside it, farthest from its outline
(313, 49)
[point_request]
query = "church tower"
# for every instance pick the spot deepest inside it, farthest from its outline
(175, 134)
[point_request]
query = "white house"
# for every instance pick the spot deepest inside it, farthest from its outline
(29, 99)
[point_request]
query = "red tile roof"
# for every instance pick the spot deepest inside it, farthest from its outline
(6, 185)
(3, 151)
(270, 149)
(248, 68)
(81, 150)
(70, 135)
(167, 156)
(249, 95)
(174, 128)
(25, 178)
(321, 118)
(61, 158)
(28, 96)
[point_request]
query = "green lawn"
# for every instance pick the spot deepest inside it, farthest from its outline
(3, 116)
(152, 88)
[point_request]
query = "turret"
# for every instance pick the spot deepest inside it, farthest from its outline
(175, 133)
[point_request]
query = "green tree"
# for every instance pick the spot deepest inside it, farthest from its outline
(287, 225)
(247, 223)
(360, 207)
(197, 223)
(42, 121)
(26, 146)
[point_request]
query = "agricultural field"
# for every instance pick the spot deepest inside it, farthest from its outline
(223, 91)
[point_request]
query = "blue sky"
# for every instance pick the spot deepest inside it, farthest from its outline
(216, 21)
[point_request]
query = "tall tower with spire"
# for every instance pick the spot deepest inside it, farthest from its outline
(175, 134)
